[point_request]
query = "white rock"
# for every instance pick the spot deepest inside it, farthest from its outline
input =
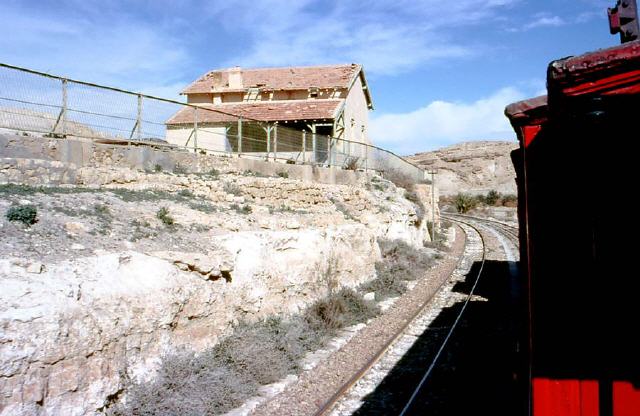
(369, 296)
(293, 225)
(35, 268)
(76, 246)
(75, 228)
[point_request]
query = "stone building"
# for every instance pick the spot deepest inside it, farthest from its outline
(330, 100)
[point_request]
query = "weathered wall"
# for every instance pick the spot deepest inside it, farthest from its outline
(356, 109)
(77, 153)
(72, 330)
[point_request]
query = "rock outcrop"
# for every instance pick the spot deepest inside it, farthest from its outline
(473, 167)
(101, 287)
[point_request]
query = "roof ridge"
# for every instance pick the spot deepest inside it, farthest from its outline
(268, 68)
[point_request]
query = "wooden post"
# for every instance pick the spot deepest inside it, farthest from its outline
(329, 150)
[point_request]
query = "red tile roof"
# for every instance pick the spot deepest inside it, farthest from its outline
(288, 78)
(260, 110)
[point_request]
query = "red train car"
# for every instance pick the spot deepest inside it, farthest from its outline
(575, 171)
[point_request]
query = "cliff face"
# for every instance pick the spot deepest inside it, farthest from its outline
(103, 284)
(473, 167)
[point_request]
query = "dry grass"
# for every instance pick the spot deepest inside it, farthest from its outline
(223, 377)
(400, 263)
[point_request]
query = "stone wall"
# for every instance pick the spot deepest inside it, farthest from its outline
(77, 153)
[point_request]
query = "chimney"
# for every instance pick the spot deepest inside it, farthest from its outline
(235, 78)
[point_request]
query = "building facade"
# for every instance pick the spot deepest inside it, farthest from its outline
(328, 101)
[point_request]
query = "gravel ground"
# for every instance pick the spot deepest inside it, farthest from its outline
(313, 388)
(358, 399)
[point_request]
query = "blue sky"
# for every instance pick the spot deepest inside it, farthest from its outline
(440, 72)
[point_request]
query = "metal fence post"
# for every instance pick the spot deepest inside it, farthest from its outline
(63, 117)
(329, 150)
(433, 207)
(366, 156)
(304, 146)
(268, 141)
(314, 146)
(139, 119)
(195, 129)
(239, 137)
(275, 141)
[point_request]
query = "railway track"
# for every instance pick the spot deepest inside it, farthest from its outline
(393, 379)
(352, 397)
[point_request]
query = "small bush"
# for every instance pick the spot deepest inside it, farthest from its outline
(400, 263)
(214, 173)
(163, 215)
(509, 200)
(465, 203)
(241, 209)
(189, 384)
(232, 189)
(343, 308)
(185, 193)
(157, 168)
(179, 169)
(492, 197)
(351, 163)
(25, 214)
(283, 174)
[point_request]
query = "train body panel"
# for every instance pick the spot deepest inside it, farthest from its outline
(575, 159)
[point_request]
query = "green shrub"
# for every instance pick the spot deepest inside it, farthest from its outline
(465, 203)
(491, 198)
(185, 193)
(157, 168)
(25, 214)
(241, 209)
(283, 174)
(163, 215)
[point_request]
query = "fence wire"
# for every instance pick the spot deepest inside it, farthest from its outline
(34, 102)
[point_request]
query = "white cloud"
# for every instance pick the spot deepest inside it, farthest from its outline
(124, 53)
(538, 20)
(441, 123)
(387, 37)
(542, 21)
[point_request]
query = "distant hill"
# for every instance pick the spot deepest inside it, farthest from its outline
(473, 167)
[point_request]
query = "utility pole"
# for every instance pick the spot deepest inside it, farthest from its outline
(433, 206)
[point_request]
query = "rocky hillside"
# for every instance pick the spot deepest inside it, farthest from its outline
(108, 267)
(474, 167)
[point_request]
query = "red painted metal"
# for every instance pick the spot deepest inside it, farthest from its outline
(584, 361)
(626, 399)
(565, 397)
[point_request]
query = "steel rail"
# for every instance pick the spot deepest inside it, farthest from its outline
(510, 230)
(427, 373)
(329, 404)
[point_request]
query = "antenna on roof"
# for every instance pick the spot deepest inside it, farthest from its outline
(623, 19)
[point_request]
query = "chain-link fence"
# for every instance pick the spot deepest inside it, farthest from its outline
(35, 102)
